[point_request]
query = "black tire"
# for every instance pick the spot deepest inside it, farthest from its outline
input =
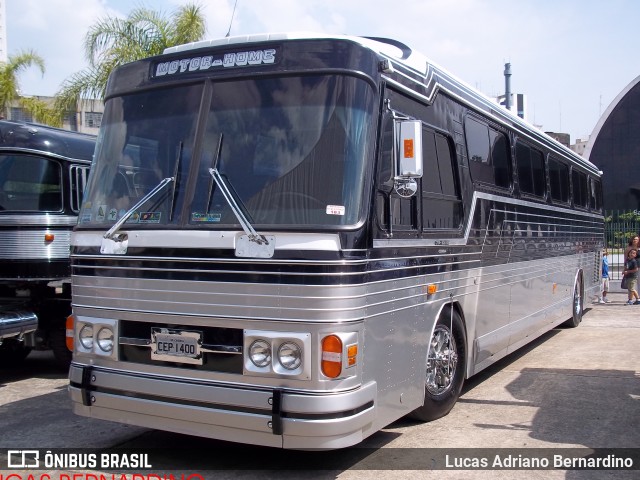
(58, 344)
(442, 389)
(577, 303)
(12, 351)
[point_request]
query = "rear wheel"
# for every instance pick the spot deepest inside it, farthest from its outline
(577, 303)
(445, 367)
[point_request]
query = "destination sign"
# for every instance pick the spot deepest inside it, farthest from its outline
(209, 62)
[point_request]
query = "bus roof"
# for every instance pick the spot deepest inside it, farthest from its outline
(41, 138)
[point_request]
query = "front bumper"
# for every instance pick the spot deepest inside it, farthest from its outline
(238, 413)
(16, 322)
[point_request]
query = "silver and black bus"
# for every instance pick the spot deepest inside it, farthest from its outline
(43, 171)
(294, 240)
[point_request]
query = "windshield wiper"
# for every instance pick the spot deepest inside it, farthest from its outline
(158, 188)
(233, 201)
(176, 172)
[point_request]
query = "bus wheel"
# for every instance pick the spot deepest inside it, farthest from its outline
(12, 351)
(578, 303)
(445, 368)
(58, 343)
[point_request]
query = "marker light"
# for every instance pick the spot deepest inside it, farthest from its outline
(432, 288)
(408, 147)
(48, 237)
(352, 354)
(331, 356)
(69, 335)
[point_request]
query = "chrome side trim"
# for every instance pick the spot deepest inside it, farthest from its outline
(30, 244)
(38, 220)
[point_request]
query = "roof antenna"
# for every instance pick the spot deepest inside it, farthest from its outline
(231, 22)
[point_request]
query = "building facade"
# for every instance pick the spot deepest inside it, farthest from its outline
(86, 119)
(614, 146)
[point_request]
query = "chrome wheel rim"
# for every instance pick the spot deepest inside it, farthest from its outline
(577, 303)
(442, 361)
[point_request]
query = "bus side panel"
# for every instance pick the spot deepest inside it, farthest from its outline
(397, 330)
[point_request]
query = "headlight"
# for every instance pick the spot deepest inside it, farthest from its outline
(85, 336)
(105, 339)
(260, 353)
(290, 355)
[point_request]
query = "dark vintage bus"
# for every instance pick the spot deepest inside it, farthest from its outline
(294, 240)
(43, 171)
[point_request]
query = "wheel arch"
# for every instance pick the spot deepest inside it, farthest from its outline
(457, 308)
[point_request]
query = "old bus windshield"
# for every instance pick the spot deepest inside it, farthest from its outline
(292, 150)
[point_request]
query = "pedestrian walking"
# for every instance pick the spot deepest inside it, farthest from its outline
(630, 275)
(634, 242)
(605, 278)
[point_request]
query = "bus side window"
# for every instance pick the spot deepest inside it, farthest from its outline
(559, 180)
(595, 202)
(580, 195)
(531, 176)
(441, 202)
(488, 151)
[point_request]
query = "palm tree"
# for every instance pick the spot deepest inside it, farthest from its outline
(112, 42)
(10, 91)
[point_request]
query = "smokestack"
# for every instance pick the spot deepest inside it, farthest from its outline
(507, 86)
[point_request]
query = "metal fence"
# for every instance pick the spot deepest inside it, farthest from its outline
(620, 227)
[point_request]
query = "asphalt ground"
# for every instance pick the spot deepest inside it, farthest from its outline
(571, 390)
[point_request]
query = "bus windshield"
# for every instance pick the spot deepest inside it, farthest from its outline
(291, 150)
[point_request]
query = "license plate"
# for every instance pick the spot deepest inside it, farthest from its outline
(181, 346)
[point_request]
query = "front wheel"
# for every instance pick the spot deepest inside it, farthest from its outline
(446, 361)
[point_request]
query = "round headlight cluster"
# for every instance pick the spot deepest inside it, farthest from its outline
(290, 355)
(105, 339)
(85, 336)
(260, 353)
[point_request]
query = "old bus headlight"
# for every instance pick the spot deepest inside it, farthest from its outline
(85, 337)
(277, 354)
(290, 355)
(105, 339)
(260, 353)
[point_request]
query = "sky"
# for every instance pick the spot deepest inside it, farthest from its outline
(571, 58)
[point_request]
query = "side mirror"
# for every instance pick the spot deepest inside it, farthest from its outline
(408, 156)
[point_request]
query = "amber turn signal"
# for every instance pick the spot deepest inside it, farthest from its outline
(331, 356)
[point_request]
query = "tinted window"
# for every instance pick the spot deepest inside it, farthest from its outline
(500, 158)
(488, 152)
(559, 180)
(288, 152)
(580, 193)
(441, 204)
(596, 194)
(478, 147)
(530, 170)
(29, 183)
